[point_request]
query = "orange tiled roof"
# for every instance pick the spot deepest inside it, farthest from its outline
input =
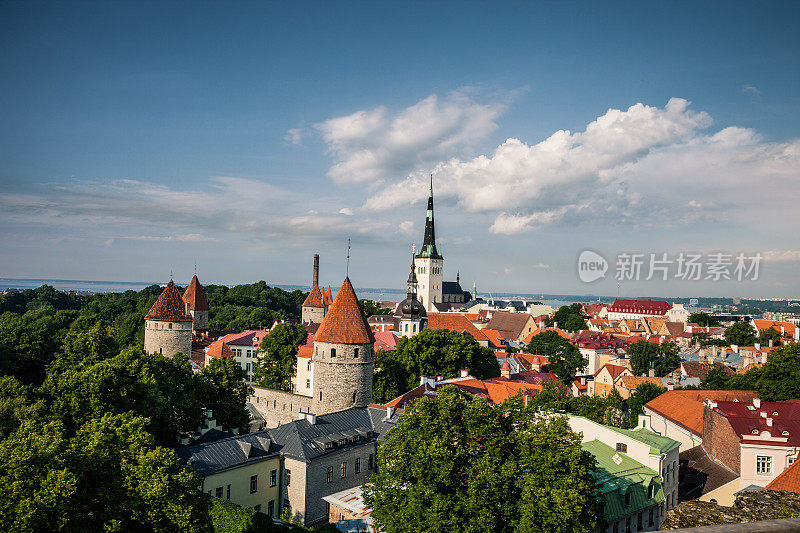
(631, 382)
(314, 298)
(219, 349)
(305, 351)
(455, 322)
(169, 306)
(345, 322)
(788, 327)
(328, 296)
(195, 297)
(789, 479)
(535, 332)
(494, 336)
(685, 407)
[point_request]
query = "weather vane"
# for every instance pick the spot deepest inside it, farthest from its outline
(347, 272)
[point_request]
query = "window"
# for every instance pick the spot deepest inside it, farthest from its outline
(287, 507)
(650, 491)
(308, 383)
(763, 464)
(650, 517)
(248, 368)
(333, 352)
(228, 493)
(355, 394)
(253, 484)
(287, 476)
(344, 469)
(355, 353)
(406, 328)
(320, 395)
(257, 507)
(273, 478)
(370, 462)
(308, 366)
(271, 508)
(218, 492)
(627, 499)
(358, 465)
(791, 461)
(622, 447)
(330, 474)
(170, 325)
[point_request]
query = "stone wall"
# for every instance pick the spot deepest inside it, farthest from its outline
(279, 407)
(168, 338)
(200, 319)
(749, 506)
(313, 314)
(342, 381)
(720, 441)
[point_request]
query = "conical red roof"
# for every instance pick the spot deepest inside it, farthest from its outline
(329, 296)
(344, 322)
(195, 297)
(169, 306)
(314, 298)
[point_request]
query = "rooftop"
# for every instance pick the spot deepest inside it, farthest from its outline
(169, 306)
(345, 321)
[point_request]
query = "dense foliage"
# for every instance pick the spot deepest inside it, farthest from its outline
(662, 358)
(370, 307)
(460, 463)
(564, 358)
(777, 380)
(568, 317)
(277, 360)
(640, 396)
(704, 319)
(432, 352)
(741, 334)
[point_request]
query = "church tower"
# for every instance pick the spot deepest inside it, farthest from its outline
(413, 317)
(197, 304)
(167, 326)
(429, 263)
(343, 357)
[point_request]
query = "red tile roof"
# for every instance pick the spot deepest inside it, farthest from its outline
(788, 327)
(535, 332)
(328, 296)
(751, 422)
(345, 322)
(169, 306)
(645, 307)
(700, 369)
(219, 349)
(314, 298)
(685, 407)
(385, 340)
(455, 322)
(510, 325)
(494, 336)
(789, 479)
(195, 297)
(613, 370)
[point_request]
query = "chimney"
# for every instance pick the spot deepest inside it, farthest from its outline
(505, 371)
(555, 325)
(311, 418)
(316, 271)
(757, 403)
(769, 421)
(770, 343)
(389, 412)
(757, 346)
(464, 373)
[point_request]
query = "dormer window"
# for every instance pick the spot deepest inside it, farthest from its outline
(785, 433)
(754, 432)
(622, 447)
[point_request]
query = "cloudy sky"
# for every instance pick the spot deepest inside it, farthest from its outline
(141, 138)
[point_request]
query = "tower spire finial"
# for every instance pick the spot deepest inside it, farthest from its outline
(170, 274)
(347, 271)
(431, 183)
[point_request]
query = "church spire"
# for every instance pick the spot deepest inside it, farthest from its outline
(429, 244)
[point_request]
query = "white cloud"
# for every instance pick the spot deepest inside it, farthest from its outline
(188, 237)
(751, 90)
(294, 136)
(346, 211)
(406, 227)
(376, 144)
(642, 166)
(782, 255)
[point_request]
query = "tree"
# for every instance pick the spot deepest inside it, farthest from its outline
(110, 476)
(568, 317)
(432, 352)
(643, 355)
(459, 463)
(704, 319)
(770, 334)
(741, 334)
(276, 365)
(17, 404)
(226, 394)
(716, 379)
(370, 307)
(779, 378)
(565, 360)
(640, 396)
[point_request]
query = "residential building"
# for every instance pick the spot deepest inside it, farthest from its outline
(623, 309)
(245, 346)
(605, 380)
(512, 326)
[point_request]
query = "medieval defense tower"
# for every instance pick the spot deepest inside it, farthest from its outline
(196, 304)
(317, 302)
(343, 357)
(429, 263)
(167, 326)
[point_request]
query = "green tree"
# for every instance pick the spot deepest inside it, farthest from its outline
(226, 394)
(640, 396)
(459, 463)
(17, 404)
(432, 352)
(704, 319)
(741, 334)
(779, 378)
(369, 307)
(568, 317)
(716, 379)
(276, 365)
(565, 360)
(770, 334)
(643, 355)
(109, 477)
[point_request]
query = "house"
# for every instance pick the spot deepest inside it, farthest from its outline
(605, 379)
(244, 346)
(700, 369)
(537, 331)
(678, 414)
(625, 384)
(457, 322)
(789, 331)
(512, 326)
(658, 454)
(217, 349)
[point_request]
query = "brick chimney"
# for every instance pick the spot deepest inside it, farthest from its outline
(316, 271)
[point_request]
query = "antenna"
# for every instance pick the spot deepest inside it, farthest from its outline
(195, 268)
(170, 274)
(347, 272)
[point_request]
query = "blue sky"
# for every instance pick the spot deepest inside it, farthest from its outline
(139, 138)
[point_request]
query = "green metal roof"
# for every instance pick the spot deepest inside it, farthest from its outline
(658, 443)
(619, 474)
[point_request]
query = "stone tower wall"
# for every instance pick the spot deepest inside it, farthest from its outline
(337, 378)
(200, 319)
(313, 314)
(160, 338)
